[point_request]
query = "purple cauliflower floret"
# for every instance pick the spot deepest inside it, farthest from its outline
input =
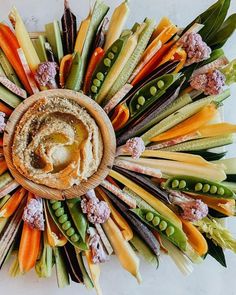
(197, 50)
(211, 83)
(46, 74)
(33, 214)
(134, 146)
(191, 209)
(97, 211)
(2, 122)
(98, 253)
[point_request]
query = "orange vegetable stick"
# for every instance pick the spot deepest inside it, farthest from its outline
(195, 238)
(5, 109)
(12, 204)
(3, 166)
(153, 63)
(94, 61)
(1, 142)
(65, 66)
(190, 125)
(29, 246)
(9, 45)
(120, 116)
(164, 23)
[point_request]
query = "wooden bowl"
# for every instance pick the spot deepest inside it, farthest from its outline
(108, 136)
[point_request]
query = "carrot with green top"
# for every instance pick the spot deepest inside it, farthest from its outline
(96, 57)
(9, 45)
(12, 204)
(29, 245)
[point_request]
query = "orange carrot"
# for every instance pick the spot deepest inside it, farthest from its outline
(1, 142)
(3, 166)
(120, 116)
(12, 204)
(153, 63)
(190, 125)
(96, 57)
(65, 66)
(29, 246)
(195, 238)
(9, 45)
(5, 109)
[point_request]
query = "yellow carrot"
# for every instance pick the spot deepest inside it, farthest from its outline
(116, 25)
(119, 220)
(122, 249)
(150, 199)
(190, 125)
(94, 271)
(24, 40)
(216, 130)
(82, 33)
(29, 246)
(11, 205)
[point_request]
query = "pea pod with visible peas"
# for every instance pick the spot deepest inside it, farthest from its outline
(199, 186)
(78, 217)
(61, 216)
(163, 226)
(104, 67)
(149, 93)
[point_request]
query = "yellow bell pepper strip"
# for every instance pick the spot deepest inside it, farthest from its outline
(195, 238)
(164, 23)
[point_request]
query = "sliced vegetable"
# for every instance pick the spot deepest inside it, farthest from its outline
(63, 220)
(13, 87)
(150, 199)
(199, 186)
(72, 79)
(120, 116)
(3, 166)
(39, 45)
(86, 278)
(122, 248)
(163, 226)
(65, 67)
(24, 40)
(95, 59)
(61, 270)
(117, 217)
(8, 188)
(134, 59)
(53, 34)
(5, 109)
(117, 23)
(8, 97)
(216, 252)
(192, 124)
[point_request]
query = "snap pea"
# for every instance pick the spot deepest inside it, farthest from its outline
(149, 93)
(163, 226)
(199, 186)
(104, 67)
(78, 217)
(60, 213)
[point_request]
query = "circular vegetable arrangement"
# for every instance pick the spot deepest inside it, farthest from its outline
(162, 88)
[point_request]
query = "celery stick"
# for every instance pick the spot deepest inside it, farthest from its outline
(39, 45)
(3, 222)
(134, 59)
(144, 251)
(201, 144)
(8, 97)
(53, 34)
(5, 179)
(181, 115)
(4, 200)
(2, 71)
(62, 274)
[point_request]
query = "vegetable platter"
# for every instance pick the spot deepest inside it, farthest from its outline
(169, 190)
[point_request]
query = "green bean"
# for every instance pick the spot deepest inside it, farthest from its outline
(199, 186)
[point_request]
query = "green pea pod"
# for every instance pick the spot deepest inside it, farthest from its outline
(61, 216)
(72, 80)
(199, 186)
(148, 95)
(156, 221)
(78, 217)
(105, 66)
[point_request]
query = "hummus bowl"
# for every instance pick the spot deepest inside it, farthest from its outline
(59, 144)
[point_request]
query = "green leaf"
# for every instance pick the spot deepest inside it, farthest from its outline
(224, 33)
(216, 252)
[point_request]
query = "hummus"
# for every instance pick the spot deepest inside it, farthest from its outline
(57, 143)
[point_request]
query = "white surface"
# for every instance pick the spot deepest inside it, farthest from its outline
(209, 278)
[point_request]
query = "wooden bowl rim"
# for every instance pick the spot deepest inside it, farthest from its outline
(108, 136)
